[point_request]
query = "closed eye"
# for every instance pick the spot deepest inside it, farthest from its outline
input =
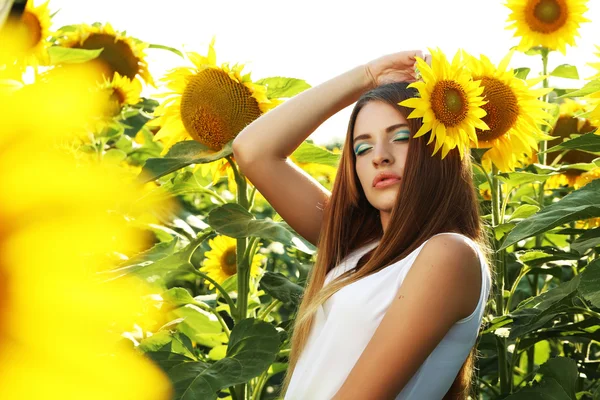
(401, 136)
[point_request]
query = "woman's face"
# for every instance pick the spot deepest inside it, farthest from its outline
(380, 143)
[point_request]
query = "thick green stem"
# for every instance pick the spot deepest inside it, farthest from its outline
(242, 261)
(499, 258)
(539, 239)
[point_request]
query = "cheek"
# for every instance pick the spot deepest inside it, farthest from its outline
(360, 171)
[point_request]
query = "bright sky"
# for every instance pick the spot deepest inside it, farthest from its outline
(316, 40)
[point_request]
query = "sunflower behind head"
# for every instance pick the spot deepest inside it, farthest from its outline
(208, 103)
(548, 23)
(514, 114)
(449, 103)
(122, 54)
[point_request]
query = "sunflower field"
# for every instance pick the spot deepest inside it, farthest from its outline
(138, 262)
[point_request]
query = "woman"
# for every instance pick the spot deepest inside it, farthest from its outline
(394, 302)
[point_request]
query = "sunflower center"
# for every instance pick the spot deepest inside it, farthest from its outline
(449, 103)
(228, 262)
(215, 108)
(546, 16)
(502, 108)
(117, 55)
(34, 28)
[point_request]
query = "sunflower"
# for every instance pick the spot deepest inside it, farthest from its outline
(581, 181)
(44, 293)
(122, 54)
(208, 103)
(594, 98)
(221, 260)
(548, 23)
(450, 103)
(569, 122)
(121, 91)
(513, 114)
(28, 35)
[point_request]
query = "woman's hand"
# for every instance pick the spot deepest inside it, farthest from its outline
(395, 67)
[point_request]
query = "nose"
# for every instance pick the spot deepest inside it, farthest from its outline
(382, 155)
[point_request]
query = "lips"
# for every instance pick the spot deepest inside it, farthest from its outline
(385, 179)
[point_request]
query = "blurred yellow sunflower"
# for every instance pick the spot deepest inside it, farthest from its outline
(27, 36)
(221, 260)
(122, 54)
(581, 181)
(46, 293)
(208, 103)
(548, 23)
(594, 98)
(450, 103)
(567, 123)
(514, 114)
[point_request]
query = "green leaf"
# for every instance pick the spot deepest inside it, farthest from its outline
(589, 88)
(134, 123)
(281, 288)
(233, 220)
(114, 156)
(311, 153)
(565, 71)
(503, 229)
(590, 283)
(66, 55)
(181, 155)
(590, 142)
(167, 341)
(196, 322)
(521, 178)
(589, 239)
(577, 205)
(564, 371)
(531, 255)
(167, 360)
(218, 352)
(524, 211)
(156, 264)
(521, 73)
(253, 346)
(178, 296)
(477, 154)
(171, 49)
(535, 312)
(547, 389)
(230, 283)
(280, 87)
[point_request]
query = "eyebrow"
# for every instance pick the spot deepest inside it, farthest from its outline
(387, 130)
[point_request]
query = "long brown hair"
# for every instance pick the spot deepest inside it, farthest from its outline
(435, 196)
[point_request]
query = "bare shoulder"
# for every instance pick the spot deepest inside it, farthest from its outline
(452, 260)
(454, 246)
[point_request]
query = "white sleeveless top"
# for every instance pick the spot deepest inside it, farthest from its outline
(345, 323)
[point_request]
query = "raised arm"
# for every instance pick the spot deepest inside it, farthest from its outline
(262, 149)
